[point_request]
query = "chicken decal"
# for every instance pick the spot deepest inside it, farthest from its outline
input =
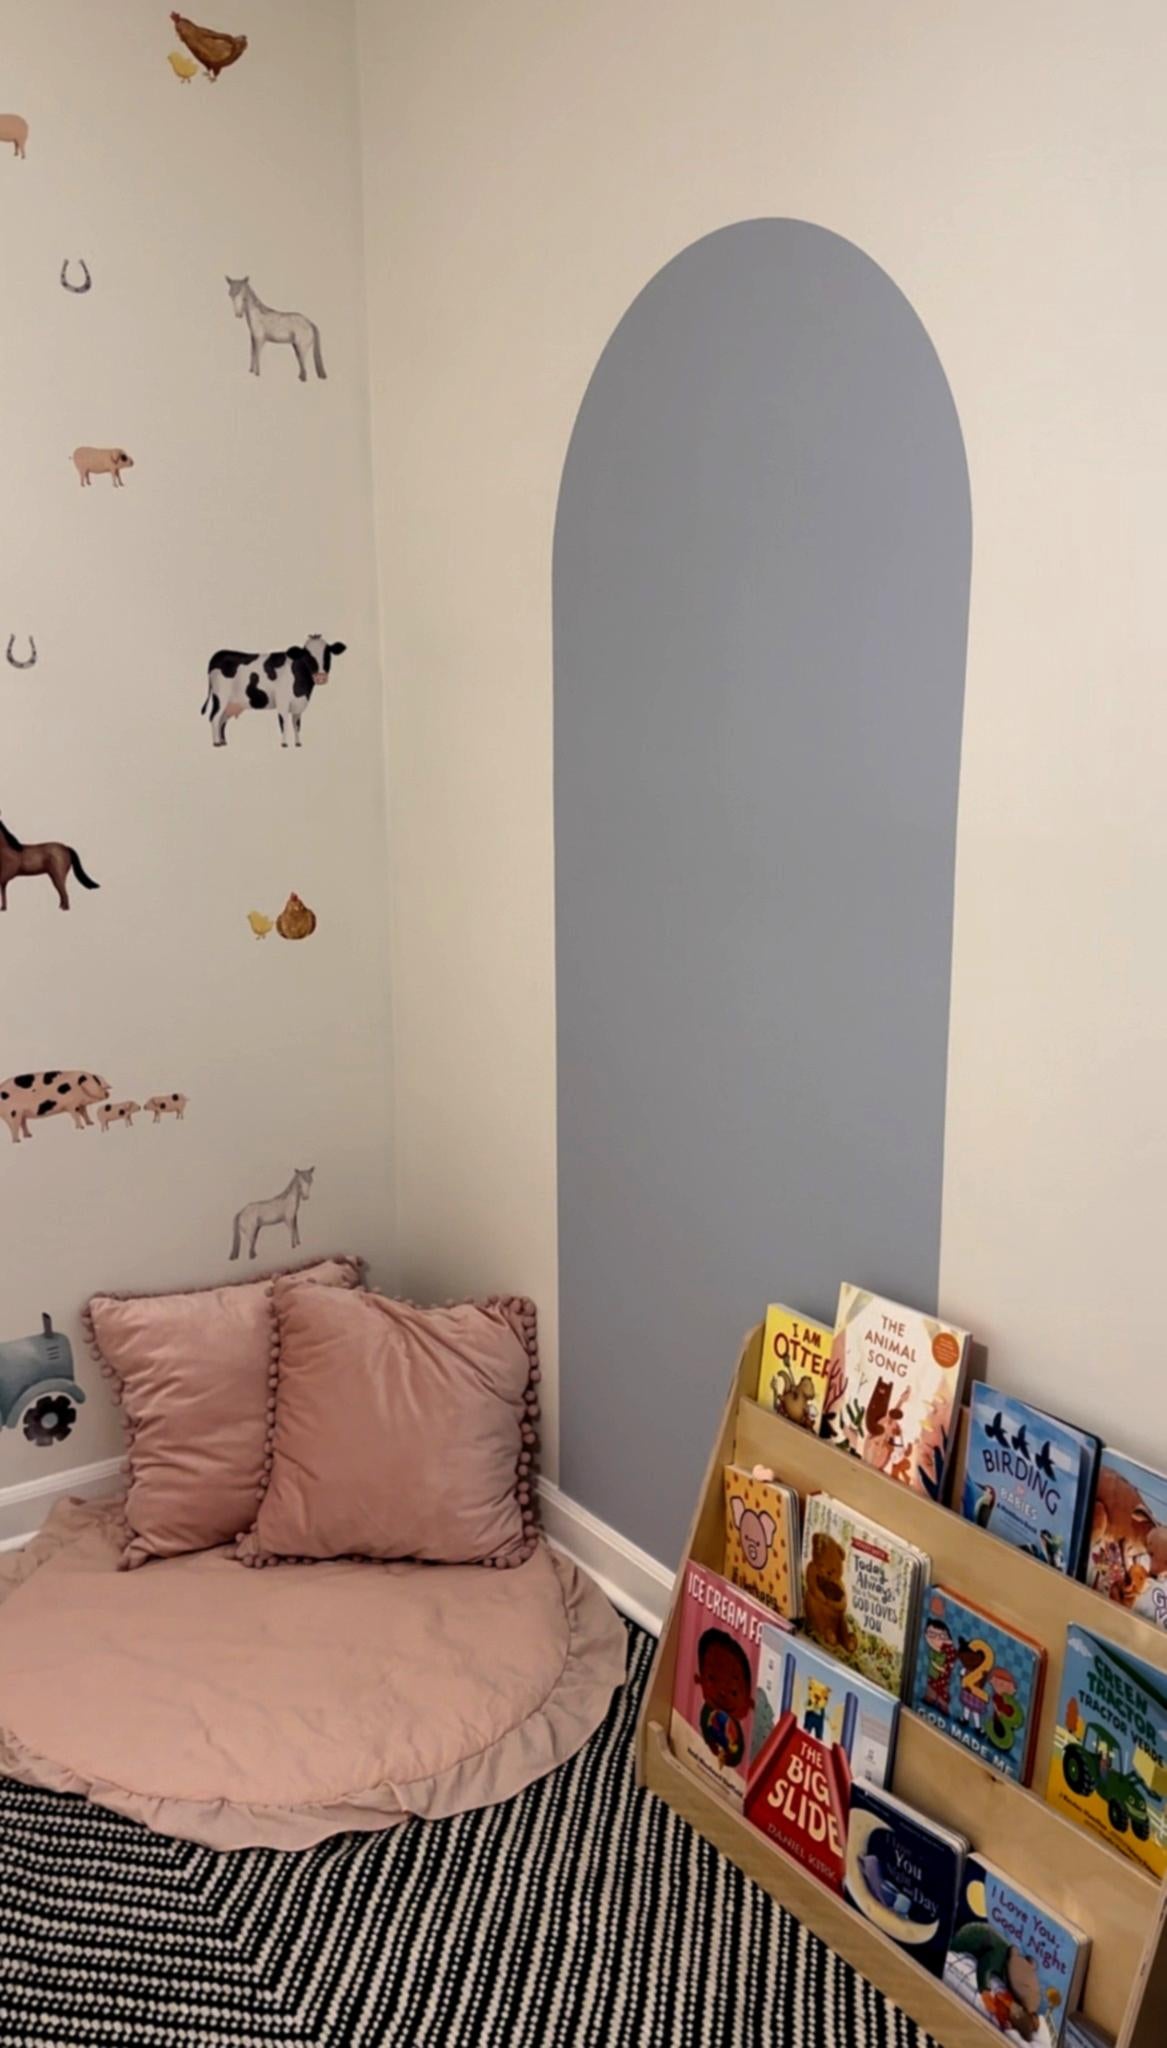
(214, 49)
(295, 920)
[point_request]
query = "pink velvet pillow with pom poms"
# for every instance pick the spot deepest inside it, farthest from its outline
(192, 1373)
(399, 1431)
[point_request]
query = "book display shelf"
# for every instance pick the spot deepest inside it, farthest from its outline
(1116, 1902)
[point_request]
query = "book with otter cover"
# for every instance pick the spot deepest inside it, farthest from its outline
(796, 1355)
(861, 1589)
(902, 1378)
(1019, 1965)
(818, 1728)
(761, 1537)
(714, 1688)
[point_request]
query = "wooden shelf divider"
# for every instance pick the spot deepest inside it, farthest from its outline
(1117, 1902)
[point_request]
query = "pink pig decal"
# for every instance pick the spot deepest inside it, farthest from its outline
(757, 1532)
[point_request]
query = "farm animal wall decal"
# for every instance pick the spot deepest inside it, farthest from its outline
(28, 1099)
(214, 48)
(38, 1392)
(86, 283)
(91, 462)
(295, 921)
(52, 858)
(13, 659)
(183, 67)
(14, 129)
(282, 681)
(266, 324)
(281, 1208)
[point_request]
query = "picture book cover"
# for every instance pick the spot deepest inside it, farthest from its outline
(902, 1382)
(761, 1537)
(818, 1728)
(903, 1874)
(1019, 1965)
(1108, 1769)
(860, 1591)
(715, 1682)
(1127, 1560)
(796, 1355)
(1028, 1478)
(979, 1682)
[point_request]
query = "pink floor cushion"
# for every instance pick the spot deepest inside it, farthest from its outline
(243, 1709)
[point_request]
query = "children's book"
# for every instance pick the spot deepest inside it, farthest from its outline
(818, 1728)
(1028, 1478)
(902, 1383)
(1127, 1557)
(1108, 1769)
(715, 1683)
(979, 1682)
(1019, 1965)
(795, 1360)
(860, 1591)
(904, 1873)
(761, 1537)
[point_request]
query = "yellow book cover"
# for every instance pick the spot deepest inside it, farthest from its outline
(762, 1538)
(796, 1357)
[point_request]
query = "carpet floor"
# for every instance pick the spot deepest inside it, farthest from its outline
(580, 1915)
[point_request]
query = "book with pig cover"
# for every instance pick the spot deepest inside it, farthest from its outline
(761, 1537)
(818, 1727)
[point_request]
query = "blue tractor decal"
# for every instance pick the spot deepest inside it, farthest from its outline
(38, 1392)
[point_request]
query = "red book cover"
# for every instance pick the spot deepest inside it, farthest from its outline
(798, 1794)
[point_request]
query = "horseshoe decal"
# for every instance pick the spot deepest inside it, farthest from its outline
(31, 662)
(87, 286)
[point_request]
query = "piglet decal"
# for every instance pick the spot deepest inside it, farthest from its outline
(757, 1531)
(91, 462)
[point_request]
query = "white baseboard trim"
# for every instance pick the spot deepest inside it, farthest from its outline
(24, 1507)
(634, 1582)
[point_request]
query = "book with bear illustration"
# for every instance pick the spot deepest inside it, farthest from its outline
(716, 1679)
(979, 1682)
(861, 1588)
(1108, 1766)
(761, 1537)
(1018, 1965)
(1028, 1478)
(904, 1873)
(794, 1376)
(818, 1727)
(1127, 1553)
(902, 1381)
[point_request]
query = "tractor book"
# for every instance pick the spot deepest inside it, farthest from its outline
(1108, 1769)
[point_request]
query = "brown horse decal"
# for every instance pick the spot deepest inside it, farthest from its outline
(50, 858)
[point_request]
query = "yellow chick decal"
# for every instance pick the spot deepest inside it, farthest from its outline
(260, 924)
(184, 67)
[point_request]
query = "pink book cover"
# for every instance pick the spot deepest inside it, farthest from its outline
(715, 1685)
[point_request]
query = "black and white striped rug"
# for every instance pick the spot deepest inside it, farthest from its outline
(580, 1915)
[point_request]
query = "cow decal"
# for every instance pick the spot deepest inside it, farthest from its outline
(282, 681)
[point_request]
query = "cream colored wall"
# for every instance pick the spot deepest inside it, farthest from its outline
(527, 171)
(246, 521)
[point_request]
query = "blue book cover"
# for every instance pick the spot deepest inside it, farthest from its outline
(903, 1874)
(978, 1682)
(1028, 1478)
(1019, 1965)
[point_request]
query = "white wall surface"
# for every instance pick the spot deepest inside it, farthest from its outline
(527, 171)
(245, 522)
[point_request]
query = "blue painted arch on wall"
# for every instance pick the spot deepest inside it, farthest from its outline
(761, 580)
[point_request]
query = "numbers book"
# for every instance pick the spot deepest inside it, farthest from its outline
(1108, 1768)
(979, 1682)
(795, 1363)
(1028, 1478)
(903, 1873)
(1019, 1965)
(761, 1537)
(1127, 1555)
(860, 1591)
(716, 1679)
(902, 1384)
(818, 1727)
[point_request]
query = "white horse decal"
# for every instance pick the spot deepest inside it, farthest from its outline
(281, 1208)
(267, 325)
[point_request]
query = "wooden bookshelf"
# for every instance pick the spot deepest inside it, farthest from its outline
(1116, 1902)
